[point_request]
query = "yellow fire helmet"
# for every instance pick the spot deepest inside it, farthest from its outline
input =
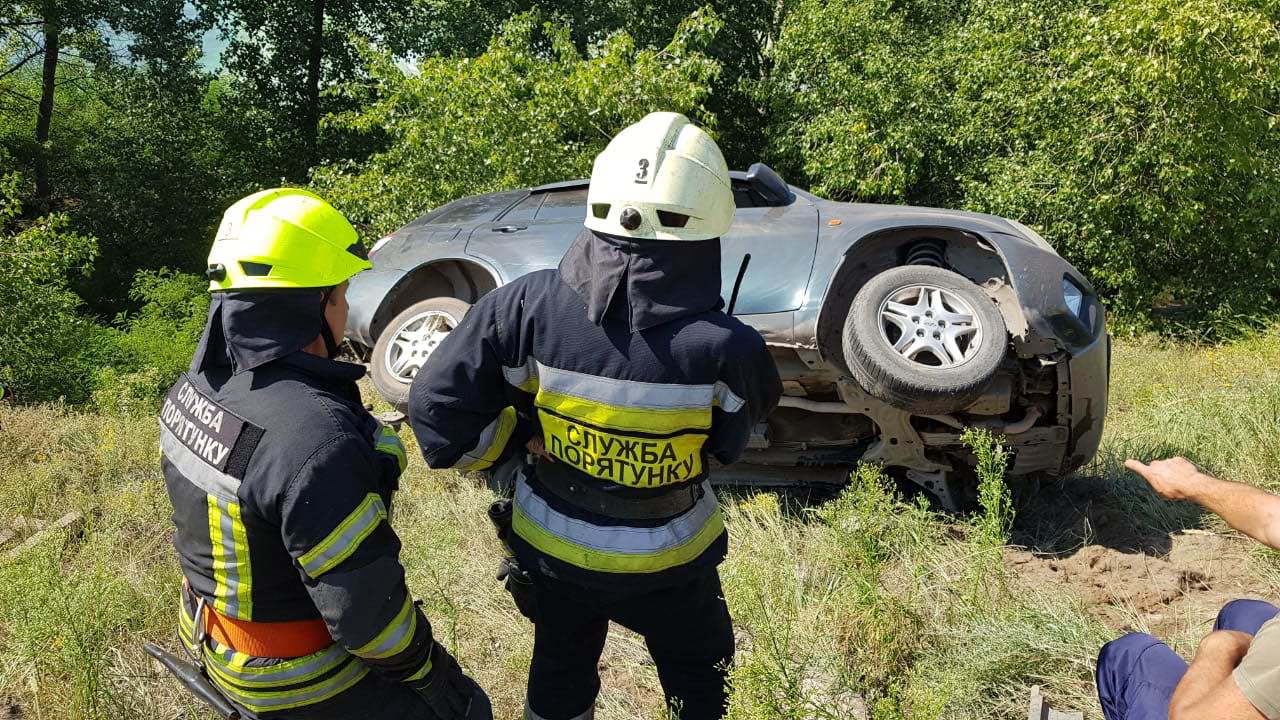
(662, 178)
(283, 238)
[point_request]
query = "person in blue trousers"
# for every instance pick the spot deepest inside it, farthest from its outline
(1235, 674)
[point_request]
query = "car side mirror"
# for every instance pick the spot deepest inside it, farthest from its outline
(769, 189)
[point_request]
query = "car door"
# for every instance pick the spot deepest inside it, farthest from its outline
(782, 242)
(534, 234)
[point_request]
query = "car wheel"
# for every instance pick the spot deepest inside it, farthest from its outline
(924, 339)
(408, 341)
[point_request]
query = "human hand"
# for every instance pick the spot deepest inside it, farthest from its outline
(1175, 478)
(539, 448)
(448, 693)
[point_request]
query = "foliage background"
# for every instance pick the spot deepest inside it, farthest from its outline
(1139, 136)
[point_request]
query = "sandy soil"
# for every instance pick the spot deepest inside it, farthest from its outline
(1127, 571)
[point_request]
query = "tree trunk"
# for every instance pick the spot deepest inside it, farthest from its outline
(311, 113)
(44, 116)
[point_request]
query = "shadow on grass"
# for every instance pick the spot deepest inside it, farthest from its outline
(1103, 504)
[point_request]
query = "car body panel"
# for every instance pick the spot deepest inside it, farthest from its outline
(776, 277)
(806, 260)
(526, 239)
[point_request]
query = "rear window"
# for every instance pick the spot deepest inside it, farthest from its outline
(564, 205)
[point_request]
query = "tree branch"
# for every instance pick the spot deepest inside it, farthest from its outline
(15, 93)
(19, 23)
(36, 53)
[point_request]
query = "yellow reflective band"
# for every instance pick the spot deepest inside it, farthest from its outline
(389, 443)
(617, 562)
(244, 570)
(229, 551)
(266, 701)
(493, 439)
(524, 377)
(422, 671)
(623, 459)
(186, 626)
(233, 667)
(220, 559)
(345, 539)
(616, 417)
(395, 637)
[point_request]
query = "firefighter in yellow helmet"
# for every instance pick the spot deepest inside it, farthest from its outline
(622, 374)
(294, 601)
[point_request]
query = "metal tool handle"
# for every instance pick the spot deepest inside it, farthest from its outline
(193, 680)
(737, 284)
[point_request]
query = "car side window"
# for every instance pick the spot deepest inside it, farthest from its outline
(564, 205)
(526, 209)
(742, 197)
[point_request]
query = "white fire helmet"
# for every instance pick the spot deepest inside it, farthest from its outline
(662, 178)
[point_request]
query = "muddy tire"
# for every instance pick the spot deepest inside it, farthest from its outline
(924, 339)
(408, 341)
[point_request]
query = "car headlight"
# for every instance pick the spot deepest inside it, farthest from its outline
(1073, 296)
(1032, 235)
(382, 241)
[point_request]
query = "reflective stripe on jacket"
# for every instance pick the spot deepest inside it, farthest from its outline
(634, 413)
(281, 485)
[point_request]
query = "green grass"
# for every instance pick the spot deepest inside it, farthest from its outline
(868, 600)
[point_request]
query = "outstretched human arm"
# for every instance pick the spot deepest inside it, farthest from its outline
(1208, 690)
(1251, 511)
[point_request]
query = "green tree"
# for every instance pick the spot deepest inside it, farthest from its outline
(150, 172)
(1147, 146)
(47, 348)
(464, 27)
(84, 35)
(531, 109)
(1139, 135)
(284, 54)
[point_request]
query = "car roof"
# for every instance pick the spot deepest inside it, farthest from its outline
(583, 182)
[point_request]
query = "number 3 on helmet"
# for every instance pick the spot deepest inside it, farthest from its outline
(662, 178)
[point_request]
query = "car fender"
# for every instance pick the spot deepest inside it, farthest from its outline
(371, 291)
(1035, 273)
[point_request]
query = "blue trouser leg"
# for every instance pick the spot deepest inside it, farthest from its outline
(1246, 616)
(1136, 678)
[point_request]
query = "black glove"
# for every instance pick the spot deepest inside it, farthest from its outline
(450, 694)
(520, 584)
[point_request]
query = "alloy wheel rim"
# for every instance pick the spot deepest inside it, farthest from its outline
(414, 341)
(930, 326)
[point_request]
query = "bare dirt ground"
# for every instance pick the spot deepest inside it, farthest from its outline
(1166, 577)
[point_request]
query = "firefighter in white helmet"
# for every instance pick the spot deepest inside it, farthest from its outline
(622, 375)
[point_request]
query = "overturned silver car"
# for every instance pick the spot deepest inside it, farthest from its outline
(893, 327)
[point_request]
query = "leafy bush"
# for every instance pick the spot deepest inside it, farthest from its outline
(531, 109)
(157, 343)
(1138, 135)
(48, 350)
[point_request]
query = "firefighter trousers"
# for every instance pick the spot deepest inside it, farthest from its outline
(686, 628)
